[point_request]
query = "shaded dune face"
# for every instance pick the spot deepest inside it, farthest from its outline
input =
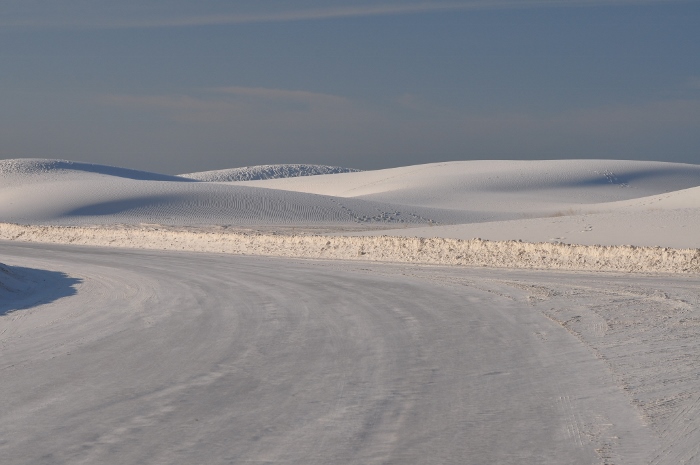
(44, 168)
(544, 200)
(114, 200)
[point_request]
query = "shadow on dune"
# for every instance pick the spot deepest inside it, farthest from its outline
(108, 170)
(676, 177)
(636, 176)
(22, 288)
(143, 204)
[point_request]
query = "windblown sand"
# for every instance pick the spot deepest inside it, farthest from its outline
(437, 251)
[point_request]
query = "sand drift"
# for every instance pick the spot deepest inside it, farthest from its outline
(436, 251)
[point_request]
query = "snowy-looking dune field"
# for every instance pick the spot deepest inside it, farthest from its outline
(598, 205)
(310, 314)
(590, 202)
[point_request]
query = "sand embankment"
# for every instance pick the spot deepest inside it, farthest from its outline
(437, 251)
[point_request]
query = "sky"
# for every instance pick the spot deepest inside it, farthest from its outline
(181, 86)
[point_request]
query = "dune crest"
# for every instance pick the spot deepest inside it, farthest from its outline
(260, 172)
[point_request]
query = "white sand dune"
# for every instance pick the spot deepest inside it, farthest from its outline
(671, 219)
(604, 202)
(609, 202)
(59, 192)
(255, 173)
(37, 170)
(660, 228)
(525, 187)
(589, 202)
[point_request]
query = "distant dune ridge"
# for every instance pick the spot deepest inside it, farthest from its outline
(587, 202)
(22, 170)
(261, 172)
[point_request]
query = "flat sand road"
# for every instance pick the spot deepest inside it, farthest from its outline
(184, 358)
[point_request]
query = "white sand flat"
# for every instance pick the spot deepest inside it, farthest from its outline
(135, 357)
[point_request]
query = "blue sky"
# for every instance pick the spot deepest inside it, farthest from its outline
(182, 86)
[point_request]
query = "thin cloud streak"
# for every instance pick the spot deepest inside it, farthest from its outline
(662, 115)
(310, 98)
(316, 14)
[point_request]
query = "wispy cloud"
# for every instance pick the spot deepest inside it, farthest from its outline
(163, 102)
(154, 17)
(279, 106)
(299, 96)
(381, 10)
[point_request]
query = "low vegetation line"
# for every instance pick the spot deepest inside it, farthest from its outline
(438, 251)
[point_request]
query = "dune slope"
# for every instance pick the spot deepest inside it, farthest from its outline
(607, 202)
(527, 186)
(48, 192)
